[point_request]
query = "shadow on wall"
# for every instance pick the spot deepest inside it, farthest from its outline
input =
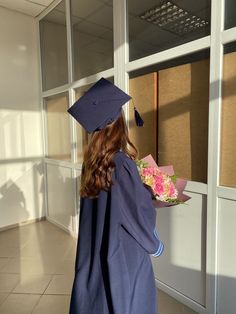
(25, 178)
(21, 199)
(62, 196)
(12, 198)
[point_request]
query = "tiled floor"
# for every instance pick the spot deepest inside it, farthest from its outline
(36, 272)
(36, 269)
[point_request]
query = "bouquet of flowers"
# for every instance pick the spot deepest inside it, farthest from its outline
(166, 188)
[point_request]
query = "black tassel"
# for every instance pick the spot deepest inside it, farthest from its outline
(139, 121)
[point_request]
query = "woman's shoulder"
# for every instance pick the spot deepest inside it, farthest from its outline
(120, 156)
(126, 170)
(121, 159)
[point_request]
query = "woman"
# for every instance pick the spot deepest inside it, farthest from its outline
(113, 270)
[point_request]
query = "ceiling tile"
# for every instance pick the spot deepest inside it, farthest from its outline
(90, 28)
(41, 2)
(83, 9)
(103, 17)
(57, 15)
(23, 6)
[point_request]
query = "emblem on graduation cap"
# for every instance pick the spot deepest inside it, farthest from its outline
(100, 106)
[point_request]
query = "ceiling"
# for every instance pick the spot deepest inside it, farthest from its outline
(35, 7)
(93, 20)
(29, 7)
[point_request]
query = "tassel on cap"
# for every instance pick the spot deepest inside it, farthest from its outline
(139, 121)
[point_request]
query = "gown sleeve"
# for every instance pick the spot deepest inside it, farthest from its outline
(137, 209)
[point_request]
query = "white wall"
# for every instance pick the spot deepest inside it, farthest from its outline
(226, 292)
(61, 196)
(21, 148)
(182, 229)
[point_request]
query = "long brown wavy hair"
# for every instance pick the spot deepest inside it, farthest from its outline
(98, 164)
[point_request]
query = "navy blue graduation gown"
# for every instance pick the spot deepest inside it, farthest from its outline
(113, 270)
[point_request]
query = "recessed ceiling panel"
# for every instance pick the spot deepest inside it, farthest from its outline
(166, 24)
(29, 7)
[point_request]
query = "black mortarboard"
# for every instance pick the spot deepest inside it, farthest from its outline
(99, 106)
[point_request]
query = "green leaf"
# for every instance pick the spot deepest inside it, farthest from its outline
(141, 164)
(173, 178)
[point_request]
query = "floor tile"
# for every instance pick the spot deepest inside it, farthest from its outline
(19, 304)
(3, 262)
(31, 265)
(44, 249)
(9, 250)
(71, 252)
(8, 282)
(10, 235)
(12, 267)
(14, 238)
(66, 266)
(169, 305)
(32, 249)
(3, 296)
(53, 304)
(32, 283)
(60, 284)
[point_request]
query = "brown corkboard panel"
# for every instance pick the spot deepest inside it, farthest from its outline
(183, 101)
(58, 129)
(143, 90)
(228, 129)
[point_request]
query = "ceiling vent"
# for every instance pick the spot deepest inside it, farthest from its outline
(171, 17)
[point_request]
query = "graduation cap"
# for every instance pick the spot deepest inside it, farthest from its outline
(100, 106)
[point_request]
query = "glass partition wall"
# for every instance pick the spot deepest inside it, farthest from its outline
(53, 43)
(176, 59)
(76, 49)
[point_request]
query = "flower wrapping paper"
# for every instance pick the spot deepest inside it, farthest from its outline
(180, 184)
